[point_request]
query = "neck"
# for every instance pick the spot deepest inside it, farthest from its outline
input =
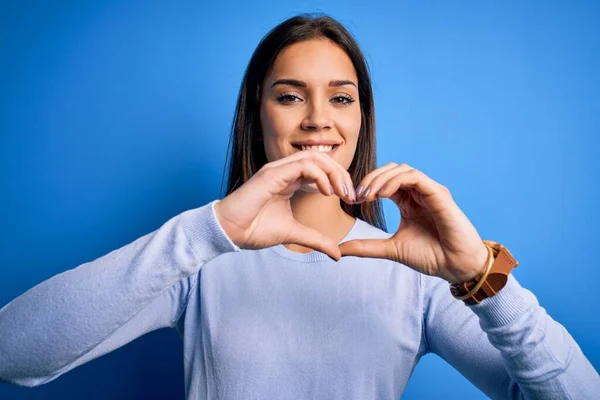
(321, 213)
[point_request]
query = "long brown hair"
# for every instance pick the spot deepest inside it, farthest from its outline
(247, 155)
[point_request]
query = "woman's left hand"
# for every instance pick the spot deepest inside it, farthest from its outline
(434, 237)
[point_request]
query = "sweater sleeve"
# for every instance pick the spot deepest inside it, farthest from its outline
(99, 306)
(507, 345)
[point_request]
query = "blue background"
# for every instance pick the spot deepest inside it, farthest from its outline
(115, 116)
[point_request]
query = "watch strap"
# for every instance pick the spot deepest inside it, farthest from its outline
(502, 266)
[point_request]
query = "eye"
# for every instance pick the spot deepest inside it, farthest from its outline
(288, 98)
(343, 99)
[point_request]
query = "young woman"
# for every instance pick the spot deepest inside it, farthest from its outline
(289, 287)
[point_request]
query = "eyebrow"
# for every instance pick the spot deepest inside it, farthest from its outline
(297, 83)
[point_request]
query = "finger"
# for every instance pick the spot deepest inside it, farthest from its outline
(340, 178)
(383, 179)
(342, 181)
(372, 248)
(315, 240)
(299, 155)
(365, 186)
(300, 169)
(411, 179)
(286, 179)
(415, 179)
(285, 160)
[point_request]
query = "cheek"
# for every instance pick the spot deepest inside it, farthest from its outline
(350, 126)
(276, 130)
(349, 123)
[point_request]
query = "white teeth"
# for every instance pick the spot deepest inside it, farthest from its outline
(322, 149)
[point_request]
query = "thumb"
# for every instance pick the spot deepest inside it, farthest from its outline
(372, 248)
(308, 237)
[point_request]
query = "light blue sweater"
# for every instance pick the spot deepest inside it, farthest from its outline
(275, 324)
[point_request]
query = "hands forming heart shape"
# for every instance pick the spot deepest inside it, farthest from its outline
(434, 237)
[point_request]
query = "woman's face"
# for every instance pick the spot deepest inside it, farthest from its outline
(310, 98)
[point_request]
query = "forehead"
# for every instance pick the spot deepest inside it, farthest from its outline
(313, 61)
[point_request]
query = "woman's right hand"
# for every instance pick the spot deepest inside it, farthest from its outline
(258, 214)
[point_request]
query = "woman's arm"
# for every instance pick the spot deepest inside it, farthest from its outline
(99, 306)
(508, 346)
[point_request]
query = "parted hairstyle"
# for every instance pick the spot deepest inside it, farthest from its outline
(246, 154)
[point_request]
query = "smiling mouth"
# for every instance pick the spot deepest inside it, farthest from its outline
(320, 148)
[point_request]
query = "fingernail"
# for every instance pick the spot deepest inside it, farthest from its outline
(366, 193)
(331, 190)
(345, 189)
(359, 190)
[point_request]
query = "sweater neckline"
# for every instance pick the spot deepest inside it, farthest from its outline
(313, 256)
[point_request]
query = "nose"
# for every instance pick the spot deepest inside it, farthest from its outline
(318, 117)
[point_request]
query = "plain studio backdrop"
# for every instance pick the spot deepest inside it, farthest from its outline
(115, 117)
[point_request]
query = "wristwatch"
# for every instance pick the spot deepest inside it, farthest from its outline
(502, 264)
